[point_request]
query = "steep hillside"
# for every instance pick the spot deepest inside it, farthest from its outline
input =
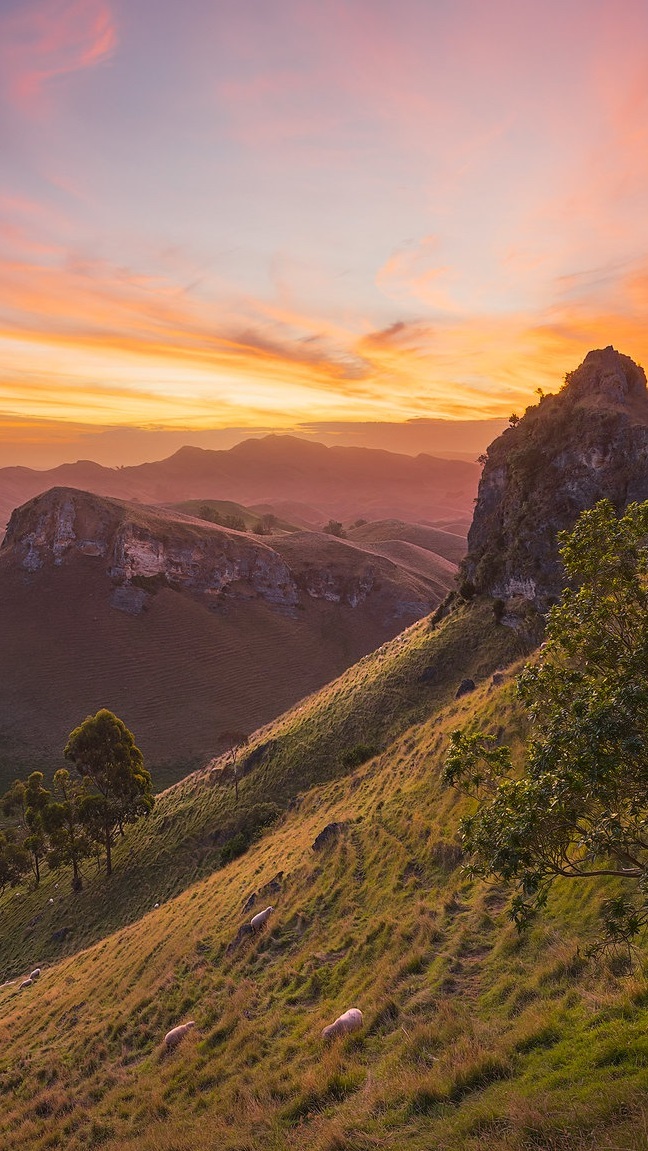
(343, 482)
(175, 624)
(572, 449)
(473, 1039)
(325, 736)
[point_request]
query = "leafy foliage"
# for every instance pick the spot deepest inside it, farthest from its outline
(334, 528)
(120, 789)
(69, 840)
(580, 807)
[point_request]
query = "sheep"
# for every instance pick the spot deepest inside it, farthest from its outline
(35, 973)
(260, 918)
(173, 1037)
(26, 983)
(344, 1024)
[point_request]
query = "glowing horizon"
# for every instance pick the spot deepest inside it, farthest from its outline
(268, 216)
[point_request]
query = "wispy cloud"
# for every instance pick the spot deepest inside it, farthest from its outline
(49, 40)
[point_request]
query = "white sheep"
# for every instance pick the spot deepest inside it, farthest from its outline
(26, 983)
(173, 1037)
(35, 973)
(344, 1024)
(260, 918)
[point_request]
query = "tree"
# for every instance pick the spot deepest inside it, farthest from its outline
(119, 788)
(334, 528)
(69, 840)
(14, 861)
(28, 801)
(580, 806)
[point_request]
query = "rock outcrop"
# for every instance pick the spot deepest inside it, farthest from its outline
(143, 549)
(585, 443)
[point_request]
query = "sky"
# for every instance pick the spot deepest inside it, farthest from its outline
(349, 218)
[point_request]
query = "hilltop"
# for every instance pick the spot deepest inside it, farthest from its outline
(340, 482)
(175, 624)
(588, 441)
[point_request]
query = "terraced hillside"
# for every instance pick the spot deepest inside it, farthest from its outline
(473, 1037)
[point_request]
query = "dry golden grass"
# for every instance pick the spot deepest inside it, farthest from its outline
(473, 1038)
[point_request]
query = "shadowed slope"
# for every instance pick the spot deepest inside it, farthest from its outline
(176, 625)
(323, 737)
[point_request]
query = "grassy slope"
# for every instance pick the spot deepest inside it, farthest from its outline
(228, 508)
(442, 541)
(473, 1038)
(374, 701)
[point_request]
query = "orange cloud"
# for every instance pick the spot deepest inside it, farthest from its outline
(46, 41)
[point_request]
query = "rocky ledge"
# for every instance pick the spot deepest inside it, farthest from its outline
(143, 549)
(585, 443)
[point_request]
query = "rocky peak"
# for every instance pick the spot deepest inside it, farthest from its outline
(585, 443)
(608, 376)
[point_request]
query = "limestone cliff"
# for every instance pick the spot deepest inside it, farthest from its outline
(587, 442)
(142, 549)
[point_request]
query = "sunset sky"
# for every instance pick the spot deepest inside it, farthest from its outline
(311, 214)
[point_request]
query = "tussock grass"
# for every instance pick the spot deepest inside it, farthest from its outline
(473, 1037)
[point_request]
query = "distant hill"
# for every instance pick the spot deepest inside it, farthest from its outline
(449, 544)
(223, 511)
(344, 482)
(183, 628)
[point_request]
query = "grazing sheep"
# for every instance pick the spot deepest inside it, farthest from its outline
(173, 1037)
(344, 1024)
(35, 973)
(260, 918)
(26, 983)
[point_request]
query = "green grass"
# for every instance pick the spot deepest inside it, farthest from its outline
(474, 1038)
(198, 820)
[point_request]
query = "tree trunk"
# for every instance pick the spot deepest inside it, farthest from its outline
(76, 878)
(108, 853)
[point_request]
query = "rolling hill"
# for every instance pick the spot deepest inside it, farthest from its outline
(345, 483)
(176, 625)
(449, 544)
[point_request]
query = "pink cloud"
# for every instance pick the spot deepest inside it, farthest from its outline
(47, 41)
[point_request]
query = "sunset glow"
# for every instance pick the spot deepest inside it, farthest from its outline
(268, 215)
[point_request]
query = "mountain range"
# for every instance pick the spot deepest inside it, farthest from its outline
(340, 482)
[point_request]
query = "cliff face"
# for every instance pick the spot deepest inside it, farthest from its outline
(586, 443)
(143, 549)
